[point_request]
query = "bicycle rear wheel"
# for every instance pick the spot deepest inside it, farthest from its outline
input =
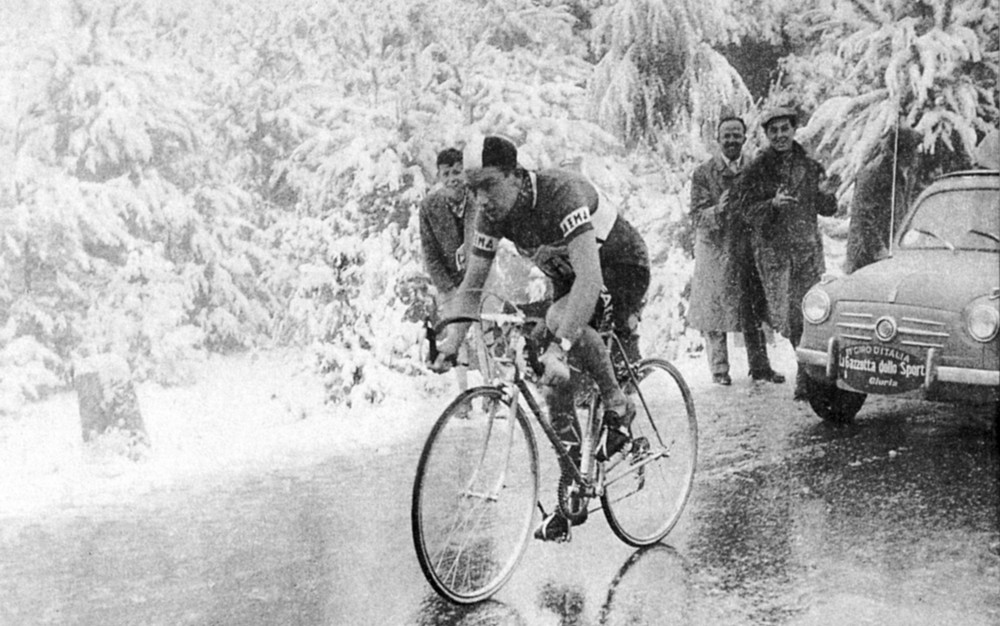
(645, 494)
(474, 495)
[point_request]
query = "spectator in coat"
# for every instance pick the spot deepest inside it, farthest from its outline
(874, 216)
(726, 292)
(780, 194)
(446, 219)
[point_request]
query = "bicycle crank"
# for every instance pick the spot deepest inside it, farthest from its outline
(572, 499)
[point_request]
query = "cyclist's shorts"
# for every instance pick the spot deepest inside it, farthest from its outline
(622, 296)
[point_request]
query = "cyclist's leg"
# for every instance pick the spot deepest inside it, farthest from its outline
(462, 369)
(559, 398)
(592, 355)
(628, 285)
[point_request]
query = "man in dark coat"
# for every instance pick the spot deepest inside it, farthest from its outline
(726, 293)
(780, 194)
(874, 216)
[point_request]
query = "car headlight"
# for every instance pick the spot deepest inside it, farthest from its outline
(816, 306)
(982, 322)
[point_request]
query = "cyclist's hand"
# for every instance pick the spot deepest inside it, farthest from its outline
(556, 367)
(447, 353)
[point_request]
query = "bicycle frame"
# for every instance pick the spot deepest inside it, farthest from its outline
(518, 388)
(476, 489)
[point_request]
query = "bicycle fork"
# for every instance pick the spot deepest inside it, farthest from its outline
(506, 438)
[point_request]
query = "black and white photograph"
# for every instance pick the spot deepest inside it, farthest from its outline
(499, 312)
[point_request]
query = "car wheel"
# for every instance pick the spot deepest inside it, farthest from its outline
(832, 403)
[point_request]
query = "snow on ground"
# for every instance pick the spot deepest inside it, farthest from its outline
(246, 414)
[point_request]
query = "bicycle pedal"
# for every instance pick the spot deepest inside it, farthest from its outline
(555, 528)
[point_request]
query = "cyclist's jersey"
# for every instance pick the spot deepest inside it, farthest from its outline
(554, 207)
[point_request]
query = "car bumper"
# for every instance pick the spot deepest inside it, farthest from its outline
(827, 360)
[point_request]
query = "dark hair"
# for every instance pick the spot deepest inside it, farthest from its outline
(449, 156)
(731, 118)
(500, 153)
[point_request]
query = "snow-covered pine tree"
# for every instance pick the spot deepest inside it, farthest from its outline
(930, 65)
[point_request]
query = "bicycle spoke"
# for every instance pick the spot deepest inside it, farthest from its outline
(644, 498)
(474, 496)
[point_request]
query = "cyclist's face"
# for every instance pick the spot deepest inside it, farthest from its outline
(780, 133)
(496, 196)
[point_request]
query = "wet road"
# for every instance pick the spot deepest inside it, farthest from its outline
(891, 521)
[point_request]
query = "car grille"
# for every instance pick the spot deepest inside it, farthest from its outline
(921, 328)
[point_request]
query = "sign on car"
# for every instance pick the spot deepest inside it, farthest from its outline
(880, 369)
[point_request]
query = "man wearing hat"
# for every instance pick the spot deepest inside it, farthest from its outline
(598, 266)
(726, 293)
(781, 193)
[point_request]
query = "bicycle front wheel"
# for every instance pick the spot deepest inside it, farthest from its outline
(645, 494)
(474, 495)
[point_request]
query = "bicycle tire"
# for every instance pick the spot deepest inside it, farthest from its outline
(474, 495)
(645, 494)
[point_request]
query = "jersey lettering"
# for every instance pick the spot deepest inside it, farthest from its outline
(484, 243)
(574, 220)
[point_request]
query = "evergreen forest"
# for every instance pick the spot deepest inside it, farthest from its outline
(182, 177)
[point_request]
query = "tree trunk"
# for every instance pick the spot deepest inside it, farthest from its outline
(109, 408)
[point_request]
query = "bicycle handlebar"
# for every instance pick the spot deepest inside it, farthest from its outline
(433, 331)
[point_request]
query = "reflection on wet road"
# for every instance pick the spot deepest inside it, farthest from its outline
(891, 521)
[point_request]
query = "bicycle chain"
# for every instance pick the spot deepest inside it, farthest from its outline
(572, 506)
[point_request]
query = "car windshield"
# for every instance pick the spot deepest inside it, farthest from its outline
(960, 219)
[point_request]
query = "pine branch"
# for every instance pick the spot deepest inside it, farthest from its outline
(867, 11)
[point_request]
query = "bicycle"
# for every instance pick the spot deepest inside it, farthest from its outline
(476, 485)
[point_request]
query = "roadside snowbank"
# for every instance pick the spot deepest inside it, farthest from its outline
(245, 414)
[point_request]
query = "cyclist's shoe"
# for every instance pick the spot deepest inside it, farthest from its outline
(616, 433)
(613, 440)
(554, 527)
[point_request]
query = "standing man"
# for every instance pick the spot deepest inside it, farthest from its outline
(446, 214)
(780, 194)
(875, 212)
(726, 292)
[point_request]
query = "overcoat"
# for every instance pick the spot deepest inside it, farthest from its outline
(786, 243)
(716, 284)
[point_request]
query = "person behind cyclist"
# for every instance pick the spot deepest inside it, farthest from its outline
(446, 222)
(598, 265)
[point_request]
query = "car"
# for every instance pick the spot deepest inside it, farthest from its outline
(924, 319)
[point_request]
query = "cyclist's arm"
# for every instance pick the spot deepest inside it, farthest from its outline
(582, 297)
(465, 302)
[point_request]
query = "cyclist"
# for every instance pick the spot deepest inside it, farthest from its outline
(598, 265)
